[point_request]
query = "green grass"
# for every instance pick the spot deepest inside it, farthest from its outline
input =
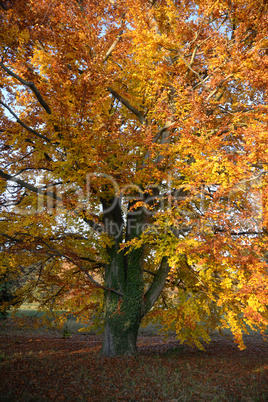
(71, 327)
(74, 327)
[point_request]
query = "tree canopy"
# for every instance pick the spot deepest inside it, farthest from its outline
(134, 162)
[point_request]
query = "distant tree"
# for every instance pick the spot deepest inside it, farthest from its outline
(7, 295)
(134, 148)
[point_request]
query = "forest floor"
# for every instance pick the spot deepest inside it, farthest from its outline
(40, 365)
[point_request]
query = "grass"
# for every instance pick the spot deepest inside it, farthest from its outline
(73, 326)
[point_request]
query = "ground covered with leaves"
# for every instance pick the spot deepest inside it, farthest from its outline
(39, 365)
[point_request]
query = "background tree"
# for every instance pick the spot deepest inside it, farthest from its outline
(10, 282)
(7, 297)
(133, 147)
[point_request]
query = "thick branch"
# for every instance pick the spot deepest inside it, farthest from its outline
(23, 124)
(157, 285)
(30, 85)
(165, 128)
(95, 226)
(137, 113)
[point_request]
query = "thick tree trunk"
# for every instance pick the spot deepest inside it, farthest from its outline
(119, 341)
(123, 274)
(123, 314)
(125, 302)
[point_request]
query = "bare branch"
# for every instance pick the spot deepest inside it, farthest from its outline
(214, 91)
(41, 190)
(24, 184)
(109, 52)
(53, 296)
(192, 60)
(19, 160)
(23, 124)
(30, 85)
(137, 113)
(11, 238)
(95, 226)
(193, 71)
(82, 269)
(149, 272)
(242, 233)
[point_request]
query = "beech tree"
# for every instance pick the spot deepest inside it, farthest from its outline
(134, 162)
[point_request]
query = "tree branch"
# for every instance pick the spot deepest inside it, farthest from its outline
(23, 124)
(193, 71)
(95, 226)
(214, 91)
(109, 52)
(242, 233)
(82, 269)
(165, 128)
(30, 85)
(157, 285)
(149, 272)
(40, 190)
(53, 296)
(24, 184)
(11, 238)
(137, 113)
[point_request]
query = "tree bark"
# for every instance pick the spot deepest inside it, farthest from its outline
(124, 273)
(123, 314)
(120, 337)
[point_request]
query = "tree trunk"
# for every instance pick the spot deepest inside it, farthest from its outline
(123, 314)
(119, 340)
(124, 274)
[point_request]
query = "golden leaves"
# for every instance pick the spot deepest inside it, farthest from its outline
(179, 105)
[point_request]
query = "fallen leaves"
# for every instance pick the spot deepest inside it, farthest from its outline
(42, 365)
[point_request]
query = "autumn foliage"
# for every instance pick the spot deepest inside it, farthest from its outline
(134, 162)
